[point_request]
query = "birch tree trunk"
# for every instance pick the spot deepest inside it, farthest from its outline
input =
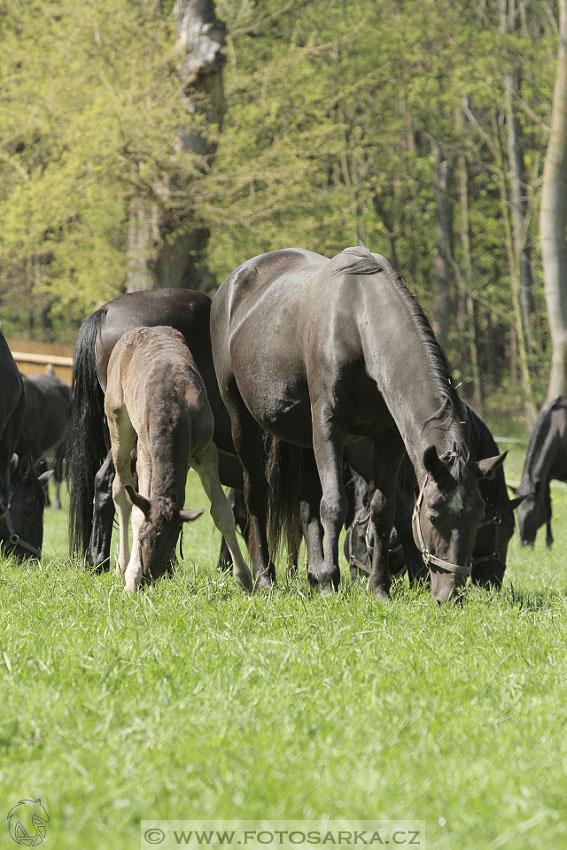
(553, 219)
(156, 257)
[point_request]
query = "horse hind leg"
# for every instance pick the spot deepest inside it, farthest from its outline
(206, 467)
(249, 445)
(327, 446)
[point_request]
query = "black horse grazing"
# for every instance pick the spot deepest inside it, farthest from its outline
(322, 352)
(21, 529)
(493, 533)
(88, 443)
(546, 459)
(12, 406)
(48, 402)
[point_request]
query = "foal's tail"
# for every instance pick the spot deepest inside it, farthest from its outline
(283, 471)
(87, 436)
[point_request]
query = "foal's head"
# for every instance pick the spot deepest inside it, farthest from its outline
(159, 532)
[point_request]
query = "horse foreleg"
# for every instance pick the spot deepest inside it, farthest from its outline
(134, 570)
(327, 445)
(309, 512)
(388, 454)
(207, 468)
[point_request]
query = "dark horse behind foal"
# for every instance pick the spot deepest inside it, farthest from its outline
(323, 352)
(546, 459)
(88, 441)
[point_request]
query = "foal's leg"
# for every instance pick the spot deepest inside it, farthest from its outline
(122, 440)
(207, 467)
(235, 499)
(388, 454)
(328, 448)
(133, 574)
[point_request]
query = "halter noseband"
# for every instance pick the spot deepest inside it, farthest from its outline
(16, 541)
(428, 558)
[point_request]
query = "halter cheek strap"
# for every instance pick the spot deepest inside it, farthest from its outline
(428, 558)
(496, 554)
(16, 541)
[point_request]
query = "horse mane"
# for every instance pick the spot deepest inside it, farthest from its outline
(450, 410)
(540, 432)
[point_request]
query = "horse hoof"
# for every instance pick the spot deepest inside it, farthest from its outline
(263, 582)
(381, 594)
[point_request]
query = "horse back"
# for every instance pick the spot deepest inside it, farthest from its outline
(186, 310)
(546, 455)
(48, 400)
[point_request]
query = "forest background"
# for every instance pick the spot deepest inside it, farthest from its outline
(157, 143)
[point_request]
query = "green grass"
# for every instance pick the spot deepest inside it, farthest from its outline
(192, 701)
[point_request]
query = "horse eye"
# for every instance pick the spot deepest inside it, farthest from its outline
(432, 516)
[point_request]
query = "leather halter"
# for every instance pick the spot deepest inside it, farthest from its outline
(15, 540)
(496, 554)
(428, 558)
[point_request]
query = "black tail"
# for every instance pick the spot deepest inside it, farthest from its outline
(283, 471)
(87, 438)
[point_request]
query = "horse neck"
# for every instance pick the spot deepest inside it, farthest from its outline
(434, 417)
(169, 464)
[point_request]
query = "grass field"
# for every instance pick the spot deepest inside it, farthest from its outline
(192, 701)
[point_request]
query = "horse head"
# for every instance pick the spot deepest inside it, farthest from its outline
(21, 529)
(447, 513)
(159, 531)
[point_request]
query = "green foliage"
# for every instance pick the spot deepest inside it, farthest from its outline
(91, 111)
(334, 109)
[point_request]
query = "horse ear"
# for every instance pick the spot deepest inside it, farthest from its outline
(45, 476)
(431, 462)
(517, 501)
(488, 466)
(437, 469)
(189, 516)
(138, 500)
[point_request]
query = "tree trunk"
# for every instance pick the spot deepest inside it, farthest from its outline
(444, 258)
(553, 219)
(469, 305)
(155, 257)
(508, 15)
